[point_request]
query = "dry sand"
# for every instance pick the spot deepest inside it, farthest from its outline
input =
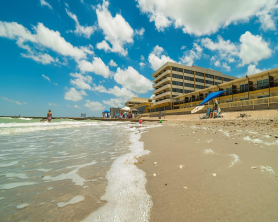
(213, 170)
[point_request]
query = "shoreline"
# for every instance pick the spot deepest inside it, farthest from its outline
(207, 170)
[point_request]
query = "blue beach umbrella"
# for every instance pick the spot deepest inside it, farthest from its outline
(117, 114)
(106, 111)
(211, 96)
(207, 99)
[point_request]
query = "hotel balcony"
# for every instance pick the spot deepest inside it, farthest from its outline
(162, 88)
(167, 79)
(168, 93)
(162, 75)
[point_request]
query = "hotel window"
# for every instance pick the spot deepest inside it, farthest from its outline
(199, 87)
(189, 71)
(244, 88)
(199, 74)
(229, 91)
(209, 76)
(209, 82)
(199, 80)
(218, 78)
(188, 78)
(177, 76)
(177, 69)
(217, 83)
(177, 90)
(188, 91)
(226, 80)
(262, 84)
(207, 86)
(189, 85)
(177, 83)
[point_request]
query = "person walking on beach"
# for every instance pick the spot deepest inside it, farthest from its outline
(49, 116)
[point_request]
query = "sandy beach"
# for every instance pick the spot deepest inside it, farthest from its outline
(213, 170)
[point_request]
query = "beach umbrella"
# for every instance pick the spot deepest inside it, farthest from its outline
(197, 108)
(117, 114)
(126, 108)
(134, 110)
(211, 96)
(106, 111)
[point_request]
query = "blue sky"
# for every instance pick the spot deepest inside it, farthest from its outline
(84, 56)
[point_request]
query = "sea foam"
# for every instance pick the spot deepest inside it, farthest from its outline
(126, 196)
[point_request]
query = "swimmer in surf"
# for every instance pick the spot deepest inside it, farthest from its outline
(49, 116)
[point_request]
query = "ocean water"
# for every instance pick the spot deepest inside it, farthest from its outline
(71, 171)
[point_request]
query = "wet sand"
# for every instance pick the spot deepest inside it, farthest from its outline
(213, 170)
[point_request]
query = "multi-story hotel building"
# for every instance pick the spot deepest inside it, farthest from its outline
(173, 79)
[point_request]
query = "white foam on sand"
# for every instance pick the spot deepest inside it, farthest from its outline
(126, 196)
(17, 175)
(8, 164)
(267, 168)
(74, 200)
(209, 151)
(72, 175)
(236, 159)
(226, 133)
(21, 206)
(14, 185)
(247, 138)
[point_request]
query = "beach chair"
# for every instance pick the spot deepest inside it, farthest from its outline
(207, 114)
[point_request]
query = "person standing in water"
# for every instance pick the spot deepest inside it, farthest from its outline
(49, 116)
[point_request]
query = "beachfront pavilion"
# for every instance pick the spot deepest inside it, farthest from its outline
(135, 101)
(258, 91)
(173, 80)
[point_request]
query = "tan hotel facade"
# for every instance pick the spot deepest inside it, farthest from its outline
(174, 80)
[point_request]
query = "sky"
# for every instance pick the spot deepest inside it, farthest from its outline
(85, 56)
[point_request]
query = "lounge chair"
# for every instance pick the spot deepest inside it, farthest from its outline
(207, 114)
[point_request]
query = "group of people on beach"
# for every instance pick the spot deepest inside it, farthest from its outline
(125, 115)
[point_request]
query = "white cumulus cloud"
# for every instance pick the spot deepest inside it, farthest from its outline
(131, 79)
(12, 101)
(97, 66)
(200, 17)
(116, 102)
(116, 29)
(43, 38)
(81, 81)
(44, 3)
(53, 104)
(140, 32)
(46, 77)
(190, 56)
(80, 30)
(253, 48)
(250, 49)
(94, 106)
(112, 63)
(74, 95)
(156, 59)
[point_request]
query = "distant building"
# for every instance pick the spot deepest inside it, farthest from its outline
(114, 111)
(173, 79)
(134, 101)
